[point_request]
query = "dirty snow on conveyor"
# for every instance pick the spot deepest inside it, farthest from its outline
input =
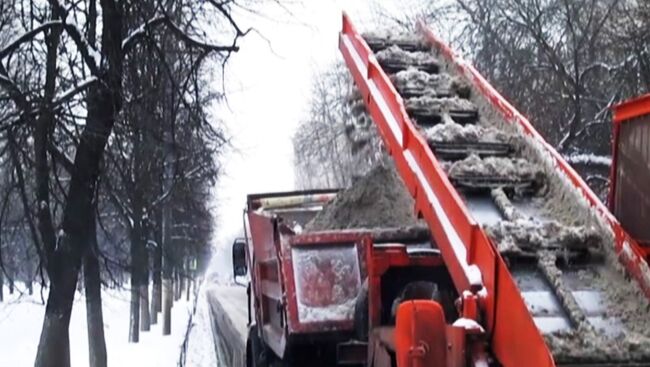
(549, 221)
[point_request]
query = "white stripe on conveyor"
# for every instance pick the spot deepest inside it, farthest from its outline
(385, 110)
(471, 271)
(361, 66)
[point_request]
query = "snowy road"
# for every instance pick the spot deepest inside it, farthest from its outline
(230, 319)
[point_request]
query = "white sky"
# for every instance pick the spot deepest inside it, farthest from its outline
(268, 86)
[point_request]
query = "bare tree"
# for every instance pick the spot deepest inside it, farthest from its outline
(337, 142)
(45, 71)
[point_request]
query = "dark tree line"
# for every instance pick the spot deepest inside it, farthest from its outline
(107, 153)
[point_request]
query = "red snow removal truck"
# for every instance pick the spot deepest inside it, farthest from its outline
(330, 297)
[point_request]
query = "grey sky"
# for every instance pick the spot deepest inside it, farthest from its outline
(268, 84)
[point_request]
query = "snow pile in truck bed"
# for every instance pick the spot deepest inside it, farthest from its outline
(378, 200)
(339, 312)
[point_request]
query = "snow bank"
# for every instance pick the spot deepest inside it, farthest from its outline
(200, 345)
(21, 319)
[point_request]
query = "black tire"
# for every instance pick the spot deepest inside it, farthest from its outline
(256, 353)
(361, 313)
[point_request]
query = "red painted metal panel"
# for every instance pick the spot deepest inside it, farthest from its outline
(631, 109)
(314, 241)
(265, 288)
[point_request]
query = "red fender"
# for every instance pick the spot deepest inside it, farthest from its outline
(420, 334)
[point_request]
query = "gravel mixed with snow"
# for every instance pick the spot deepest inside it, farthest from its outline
(451, 132)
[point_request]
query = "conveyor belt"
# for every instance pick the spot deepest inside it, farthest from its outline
(556, 292)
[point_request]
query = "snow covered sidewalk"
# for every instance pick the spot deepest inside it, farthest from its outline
(201, 349)
(21, 319)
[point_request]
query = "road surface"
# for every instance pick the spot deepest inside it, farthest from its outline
(229, 314)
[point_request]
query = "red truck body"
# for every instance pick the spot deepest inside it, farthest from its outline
(273, 248)
(306, 286)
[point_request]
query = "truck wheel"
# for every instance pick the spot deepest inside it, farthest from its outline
(256, 354)
(361, 313)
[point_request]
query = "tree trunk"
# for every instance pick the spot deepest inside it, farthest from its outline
(156, 291)
(187, 290)
(11, 286)
(167, 248)
(104, 99)
(54, 345)
(136, 277)
(94, 315)
(134, 320)
(30, 287)
(167, 298)
(178, 286)
(41, 134)
(167, 275)
(145, 321)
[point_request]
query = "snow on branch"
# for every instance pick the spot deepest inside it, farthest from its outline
(68, 94)
(19, 40)
(91, 56)
(589, 159)
(195, 42)
(141, 31)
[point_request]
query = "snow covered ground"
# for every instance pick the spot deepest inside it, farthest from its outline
(201, 350)
(21, 318)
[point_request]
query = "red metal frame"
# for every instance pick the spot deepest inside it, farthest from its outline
(379, 260)
(330, 239)
(516, 340)
(263, 255)
(630, 109)
(270, 260)
(624, 112)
